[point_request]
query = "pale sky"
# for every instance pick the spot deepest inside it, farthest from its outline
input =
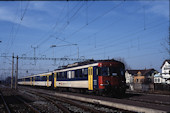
(136, 31)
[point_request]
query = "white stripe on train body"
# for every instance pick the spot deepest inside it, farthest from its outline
(36, 83)
(73, 84)
(75, 68)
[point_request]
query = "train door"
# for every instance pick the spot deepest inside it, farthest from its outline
(24, 82)
(95, 78)
(55, 79)
(33, 81)
(47, 80)
(90, 78)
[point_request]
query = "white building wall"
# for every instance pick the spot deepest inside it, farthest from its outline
(157, 80)
(166, 72)
(129, 77)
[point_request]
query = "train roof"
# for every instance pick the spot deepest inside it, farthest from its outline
(87, 62)
(41, 74)
(76, 64)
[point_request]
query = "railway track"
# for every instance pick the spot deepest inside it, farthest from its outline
(132, 103)
(143, 100)
(70, 103)
(5, 106)
(14, 103)
(149, 101)
(67, 105)
(149, 98)
(33, 109)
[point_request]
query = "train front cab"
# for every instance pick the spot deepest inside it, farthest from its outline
(111, 78)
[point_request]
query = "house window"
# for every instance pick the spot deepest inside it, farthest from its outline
(158, 80)
(142, 80)
(137, 80)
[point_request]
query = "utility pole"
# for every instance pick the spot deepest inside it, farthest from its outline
(12, 71)
(34, 52)
(16, 77)
(78, 51)
(169, 29)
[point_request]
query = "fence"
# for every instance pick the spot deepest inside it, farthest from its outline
(162, 87)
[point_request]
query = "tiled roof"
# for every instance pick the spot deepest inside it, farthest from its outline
(143, 72)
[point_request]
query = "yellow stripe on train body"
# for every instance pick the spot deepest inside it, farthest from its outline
(47, 75)
(55, 79)
(90, 78)
(48, 81)
(33, 81)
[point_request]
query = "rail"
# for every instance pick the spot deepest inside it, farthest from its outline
(28, 105)
(65, 100)
(5, 104)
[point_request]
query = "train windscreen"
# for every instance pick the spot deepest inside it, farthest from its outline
(111, 71)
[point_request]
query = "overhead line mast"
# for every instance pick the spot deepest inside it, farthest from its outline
(169, 30)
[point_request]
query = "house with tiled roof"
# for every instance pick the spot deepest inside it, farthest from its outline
(158, 78)
(140, 76)
(140, 79)
(166, 71)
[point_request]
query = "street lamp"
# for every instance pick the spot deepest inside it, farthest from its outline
(52, 46)
(77, 49)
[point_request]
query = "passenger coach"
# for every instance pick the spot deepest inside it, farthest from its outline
(43, 79)
(99, 76)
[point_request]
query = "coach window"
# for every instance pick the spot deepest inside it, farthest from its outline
(50, 77)
(63, 75)
(44, 78)
(85, 72)
(69, 74)
(98, 69)
(76, 73)
(40, 77)
(72, 74)
(80, 73)
(60, 75)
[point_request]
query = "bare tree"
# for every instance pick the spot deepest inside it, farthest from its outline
(166, 45)
(127, 67)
